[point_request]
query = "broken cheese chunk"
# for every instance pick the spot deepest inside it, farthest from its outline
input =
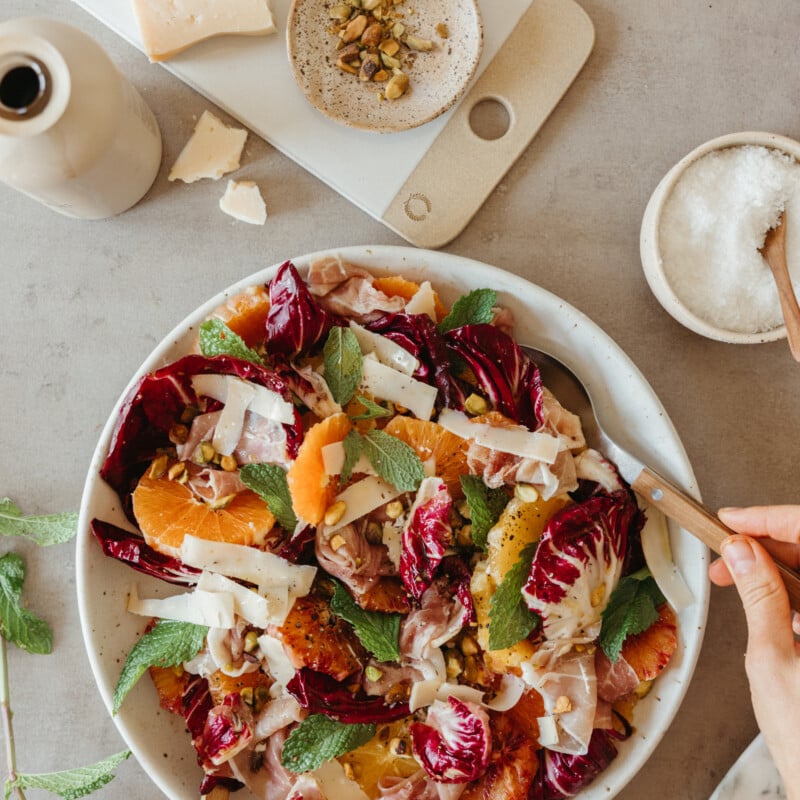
(212, 150)
(242, 200)
(170, 26)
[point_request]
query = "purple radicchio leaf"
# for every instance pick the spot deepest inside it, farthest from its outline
(506, 375)
(426, 535)
(564, 775)
(418, 334)
(580, 556)
(455, 575)
(296, 321)
(321, 694)
(455, 742)
(157, 402)
(300, 548)
(131, 549)
(226, 732)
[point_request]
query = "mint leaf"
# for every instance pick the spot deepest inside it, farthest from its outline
(269, 482)
(394, 460)
(217, 339)
(632, 608)
(378, 632)
(510, 620)
(485, 506)
(318, 739)
(166, 644)
(470, 309)
(45, 529)
(72, 783)
(17, 624)
(353, 447)
(373, 410)
(343, 363)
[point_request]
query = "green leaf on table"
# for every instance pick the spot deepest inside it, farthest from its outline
(17, 624)
(72, 783)
(217, 339)
(470, 309)
(394, 460)
(318, 739)
(44, 529)
(510, 619)
(167, 644)
(372, 410)
(343, 363)
(378, 632)
(353, 446)
(485, 506)
(269, 482)
(632, 608)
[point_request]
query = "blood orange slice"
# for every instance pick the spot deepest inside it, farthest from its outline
(166, 511)
(649, 652)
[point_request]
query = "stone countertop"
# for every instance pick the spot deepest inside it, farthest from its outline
(85, 302)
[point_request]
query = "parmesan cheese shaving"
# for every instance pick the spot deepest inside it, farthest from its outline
(658, 556)
(248, 604)
(212, 150)
(333, 457)
(213, 609)
(389, 384)
(280, 666)
(228, 430)
(548, 731)
(423, 301)
(385, 350)
(263, 401)
(362, 497)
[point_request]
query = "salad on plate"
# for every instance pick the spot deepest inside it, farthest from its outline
(397, 569)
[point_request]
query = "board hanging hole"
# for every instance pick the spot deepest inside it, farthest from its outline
(490, 119)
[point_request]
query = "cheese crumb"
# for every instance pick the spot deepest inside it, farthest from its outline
(212, 150)
(242, 200)
(169, 26)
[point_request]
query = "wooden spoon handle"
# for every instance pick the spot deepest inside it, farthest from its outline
(789, 307)
(699, 521)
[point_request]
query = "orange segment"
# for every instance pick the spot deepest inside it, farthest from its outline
(431, 440)
(398, 286)
(246, 314)
(221, 685)
(311, 488)
(166, 511)
(649, 652)
(170, 683)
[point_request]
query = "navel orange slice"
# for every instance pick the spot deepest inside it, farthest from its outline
(398, 286)
(246, 314)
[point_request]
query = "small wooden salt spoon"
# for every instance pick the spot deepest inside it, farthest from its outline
(774, 253)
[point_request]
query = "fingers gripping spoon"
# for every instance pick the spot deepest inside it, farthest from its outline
(655, 489)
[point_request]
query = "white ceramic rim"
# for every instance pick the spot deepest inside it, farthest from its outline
(651, 220)
(158, 739)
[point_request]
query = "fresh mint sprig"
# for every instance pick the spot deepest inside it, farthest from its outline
(485, 507)
(353, 446)
(394, 460)
(318, 739)
(378, 632)
(343, 363)
(510, 619)
(217, 339)
(470, 309)
(17, 624)
(372, 410)
(44, 529)
(270, 483)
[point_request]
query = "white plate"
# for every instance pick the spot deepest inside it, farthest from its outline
(158, 739)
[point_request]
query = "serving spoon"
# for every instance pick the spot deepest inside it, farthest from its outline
(773, 252)
(662, 493)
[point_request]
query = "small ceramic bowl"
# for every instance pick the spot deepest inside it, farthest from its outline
(437, 78)
(650, 250)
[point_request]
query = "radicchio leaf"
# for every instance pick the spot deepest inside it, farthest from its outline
(321, 694)
(296, 321)
(506, 375)
(226, 732)
(426, 535)
(132, 549)
(580, 557)
(156, 403)
(457, 576)
(455, 742)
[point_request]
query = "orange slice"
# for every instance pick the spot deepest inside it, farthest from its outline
(311, 488)
(246, 314)
(170, 683)
(221, 685)
(166, 511)
(649, 652)
(431, 440)
(398, 286)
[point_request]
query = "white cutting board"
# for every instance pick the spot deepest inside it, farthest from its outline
(425, 183)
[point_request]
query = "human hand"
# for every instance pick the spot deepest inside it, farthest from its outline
(772, 661)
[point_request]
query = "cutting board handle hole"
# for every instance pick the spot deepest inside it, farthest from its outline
(490, 119)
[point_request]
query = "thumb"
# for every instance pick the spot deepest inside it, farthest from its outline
(766, 604)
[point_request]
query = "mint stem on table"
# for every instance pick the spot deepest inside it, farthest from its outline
(5, 712)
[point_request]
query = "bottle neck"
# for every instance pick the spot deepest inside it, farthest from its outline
(25, 86)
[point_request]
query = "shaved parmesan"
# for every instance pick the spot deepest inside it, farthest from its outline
(509, 694)
(423, 301)
(385, 350)
(238, 396)
(362, 497)
(335, 784)
(243, 201)
(265, 570)
(548, 731)
(248, 604)
(263, 401)
(212, 150)
(658, 556)
(280, 667)
(423, 693)
(214, 609)
(516, 441)
(333, 460)
(467, 694)
(390, 384)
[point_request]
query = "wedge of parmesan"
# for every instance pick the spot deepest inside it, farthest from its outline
(243, 201)
(170, 26)
(212, 150)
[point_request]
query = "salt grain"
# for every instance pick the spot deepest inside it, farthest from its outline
(712, 226)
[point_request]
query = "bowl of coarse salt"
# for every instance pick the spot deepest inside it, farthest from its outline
(704, 226)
